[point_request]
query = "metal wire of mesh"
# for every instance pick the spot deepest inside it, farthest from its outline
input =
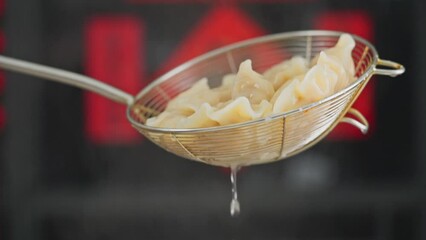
(258, 141)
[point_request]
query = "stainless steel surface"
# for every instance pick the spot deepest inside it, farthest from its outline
(254, 142)
(396, 68)
(66, 77)
(361, 123)
(263, 140)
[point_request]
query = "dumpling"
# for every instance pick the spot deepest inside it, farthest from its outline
(240, 110)
(228, 80)
(190, 100)
(339, 59)
(319, 82)
(284, 71)
(166, 119)
(342, 53)
(251, 85)
(200, 119)
(224, 91)
(285, 98)
(343, 77)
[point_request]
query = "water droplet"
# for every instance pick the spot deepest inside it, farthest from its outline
(235, 204)
(235, 207)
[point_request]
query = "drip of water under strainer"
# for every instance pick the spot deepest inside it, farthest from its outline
(235, 204)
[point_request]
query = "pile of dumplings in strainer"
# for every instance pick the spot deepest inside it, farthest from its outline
(249, 95)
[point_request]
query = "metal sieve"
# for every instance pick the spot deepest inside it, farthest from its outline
(254, 142)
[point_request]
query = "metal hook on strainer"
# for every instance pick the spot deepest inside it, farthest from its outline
(259, 141)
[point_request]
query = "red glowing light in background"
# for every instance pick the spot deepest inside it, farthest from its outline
(114, 55)
(219, 27)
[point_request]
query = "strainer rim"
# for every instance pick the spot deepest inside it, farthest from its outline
(210, 54)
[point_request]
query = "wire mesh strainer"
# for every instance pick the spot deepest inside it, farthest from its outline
(259, 141)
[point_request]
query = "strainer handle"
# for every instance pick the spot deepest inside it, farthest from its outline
(66, 77)
(394, 70)
(361, 122)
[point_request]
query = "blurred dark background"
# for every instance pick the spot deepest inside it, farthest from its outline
(73, 168)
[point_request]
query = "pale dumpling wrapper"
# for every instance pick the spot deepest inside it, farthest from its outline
(240, 110)
(190, 100)
(286, 70)
(343, 52)
(166, 119)
(333, 70)
(248, 95)
(224, 91)
(200, 119)
(286, 98)
(344, 78)
(251, 85)
(319, 82)
(228, 80)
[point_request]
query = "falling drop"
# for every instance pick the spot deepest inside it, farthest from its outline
(235, 204)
